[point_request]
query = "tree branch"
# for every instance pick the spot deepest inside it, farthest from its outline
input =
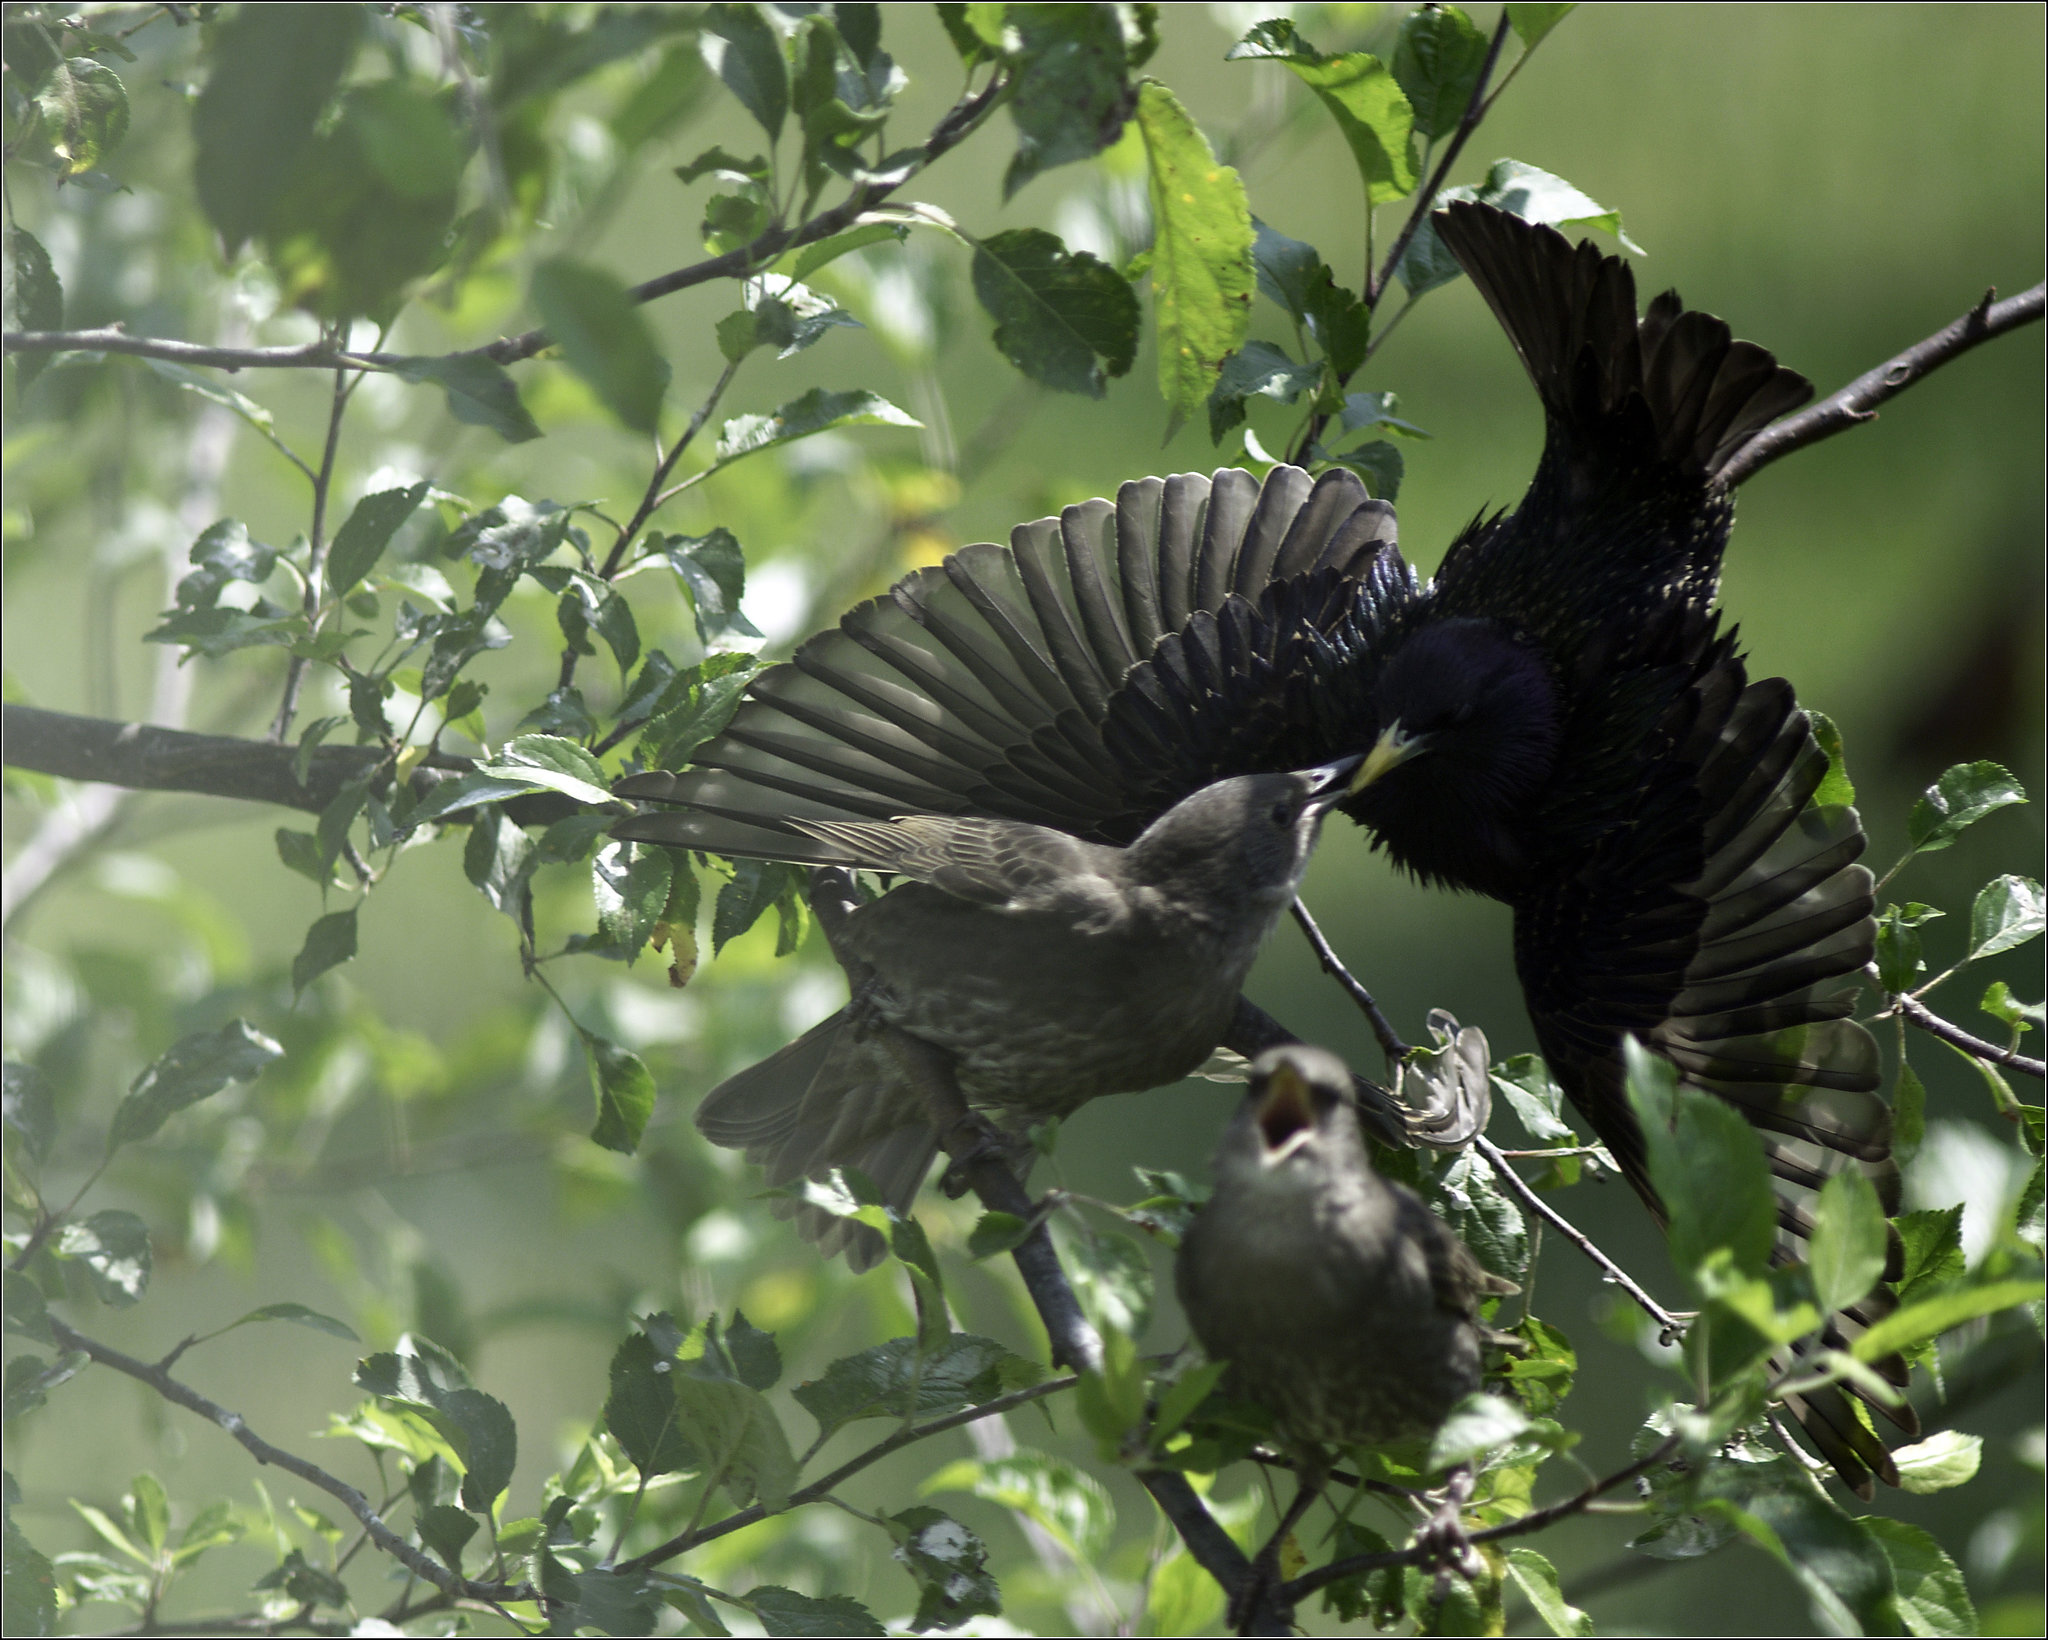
(1577, 1237)
(958, 122)
(1535, 1521)
(144, 757)
(1390, 1041)
(1918, 1013)
(1858, 401)
(416, 1561)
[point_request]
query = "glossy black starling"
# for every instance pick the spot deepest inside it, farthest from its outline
(1048, 970)
(1343, 1305)
(1557, 720)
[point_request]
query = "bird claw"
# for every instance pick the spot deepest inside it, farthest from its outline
(1443, 1538)
(985, 1142)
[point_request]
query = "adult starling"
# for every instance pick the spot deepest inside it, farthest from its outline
(1048, 970)
(1556, 720)
(1343, 1305)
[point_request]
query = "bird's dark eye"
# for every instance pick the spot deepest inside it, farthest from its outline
(1283, 814)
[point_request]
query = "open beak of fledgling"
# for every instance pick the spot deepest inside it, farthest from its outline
(1331, 783)
(1287, 1116)
(1394, 747)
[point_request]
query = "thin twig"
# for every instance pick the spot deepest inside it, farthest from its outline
(683, 1542)
(959, 121)
(1918, 1013)
(1390, 1041)
(1577, 1237)
(1535, 1521)
(1858, 401)
(316, 551)
(414, 1560)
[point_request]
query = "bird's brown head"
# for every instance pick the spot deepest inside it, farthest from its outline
(1297, 1124)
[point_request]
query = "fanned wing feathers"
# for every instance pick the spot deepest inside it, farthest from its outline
(986, 685)
(1000, 863)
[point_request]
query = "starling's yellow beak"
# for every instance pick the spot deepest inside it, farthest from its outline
(1287, 1114)
(1394, 747)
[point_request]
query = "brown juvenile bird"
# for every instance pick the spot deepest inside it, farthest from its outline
(1343, 1305)
(1048, 970)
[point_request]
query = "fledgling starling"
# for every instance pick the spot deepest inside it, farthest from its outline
(1050, 971)
(1557, 720)
(1343, 1305)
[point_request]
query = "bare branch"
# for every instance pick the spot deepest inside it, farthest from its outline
(144, 757)
(416, 1561)
(1390, 1042)
(1858, 401)
(1577, 1237)
(1918, 1013)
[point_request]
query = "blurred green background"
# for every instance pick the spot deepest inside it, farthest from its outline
(1837, 182)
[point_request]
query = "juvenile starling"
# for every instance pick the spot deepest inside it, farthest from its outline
(1557, 720)
(1049, 971)
(1343, 1305)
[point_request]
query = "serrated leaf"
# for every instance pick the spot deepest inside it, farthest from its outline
(714, 569)
(478, 391)
(630, 883)
(1257, 368)
(330, 942)
(1064, 318)
(1202, 274)
(1945, 1459)
(1537, 1579)
(742, 49)
(1360, 94)
(814, 412)
(1531, 20)
(1846, 1252)
(1066, 1501)
(361, 540)
(1112, 1278)
(1536, 1099)
(996, 1232)
(640, 1410)
(950, 1565)
(1476, 1425)
(2008, 912)
(114, 1248)
(740, 1440)
(195, 1068)
(625, 1094)
(27, 1312)
(1708, 1168)
(604, 337)
(897, 1380)
(755, 886)
(1072, 94)
(299, 1314)
(28, 1106)
(1437, 58)
(1962, 796)
(1835, 786)
(479, 1429)
(38, 300)
(1927, 1587)
(550, 761)
(1931, 1317)
(785, 1612)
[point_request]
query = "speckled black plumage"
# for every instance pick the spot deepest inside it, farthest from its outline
(1597, 756)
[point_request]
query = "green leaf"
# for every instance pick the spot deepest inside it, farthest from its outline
(1532, 21)
(1708, 1168)
(1931, 1596)
(30, 1586)
(422, 1375)
(1202, 254)
(1379, 463)
(114, 1248)
(1945, 1459)
(286, 1310)
(696, 707)
(814, 412)
(630, 882)
(1111, 1399)
(1292, 274)
(1999, 1002)
(446, 1530)
(714, 569)
(1256, 368)
(498, 858)
(756, 1361)
(1837, 1560)
(27, 1312)
(30, 1379)
(1909, 1111)
(1361, 95)
(1960, 798)
(2008, 912)
(330, 942)
(1072, 93)
(274, 70)
(84, 114)
(741, 1443)
(1930, 1251)
(470, 791)
(1846, 1253)
(222, 631)
(604, 337)
(640, 1410)
(1899, 962)
(742, 49)
(625, 1094)
(212, 1528)
(1112, 1278)
(1437, 58)
(1469, 1199)
(550, 761)
(38, 299)
(1476, 1425)
(1363, 411)
(1931, 1317)
(1537, 1579)
(1067, 319)
(1535, 196)
(898, 1380)
(1066, 1501)
(805, 262)
(785, 1612)
(950, 1565)
(362, 539)
(478, 390)
(996, 1232)
(1835, 786)
(28, 1105)
(755, 886)
(194, 1068)
(1536, 1099)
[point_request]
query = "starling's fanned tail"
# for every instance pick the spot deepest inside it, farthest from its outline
(982, 686)
(824, 1101)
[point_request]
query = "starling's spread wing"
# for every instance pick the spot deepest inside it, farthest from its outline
(1622, 516)
(1001, 863)
(979, 686)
